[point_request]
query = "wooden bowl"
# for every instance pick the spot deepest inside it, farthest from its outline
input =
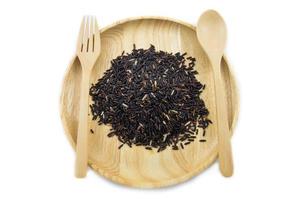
(136, 166)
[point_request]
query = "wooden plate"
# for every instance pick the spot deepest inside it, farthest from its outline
(136, 166)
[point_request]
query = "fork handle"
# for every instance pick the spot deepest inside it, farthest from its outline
(82, 132)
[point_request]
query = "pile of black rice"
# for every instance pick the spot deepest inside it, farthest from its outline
(151, 98)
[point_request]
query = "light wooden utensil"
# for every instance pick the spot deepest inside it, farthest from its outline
(136, 166)
(88, 50)
(212, 33)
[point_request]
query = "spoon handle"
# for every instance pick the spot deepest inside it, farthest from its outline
(224, 145)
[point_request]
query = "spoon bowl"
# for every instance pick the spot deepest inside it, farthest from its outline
(212, 34)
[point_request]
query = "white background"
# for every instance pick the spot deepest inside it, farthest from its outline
(37, 41)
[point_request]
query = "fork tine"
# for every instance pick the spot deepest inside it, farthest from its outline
(90, 34)
(81, 35)
(96, 36)
(93, 33)
(86, 35)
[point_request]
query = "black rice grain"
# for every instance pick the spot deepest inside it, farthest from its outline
(150, 98)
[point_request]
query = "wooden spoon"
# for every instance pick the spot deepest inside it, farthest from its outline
(211, 33)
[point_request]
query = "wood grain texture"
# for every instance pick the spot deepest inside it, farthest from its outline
(136, 166)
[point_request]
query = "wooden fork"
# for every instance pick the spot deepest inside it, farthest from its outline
(88, 50)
